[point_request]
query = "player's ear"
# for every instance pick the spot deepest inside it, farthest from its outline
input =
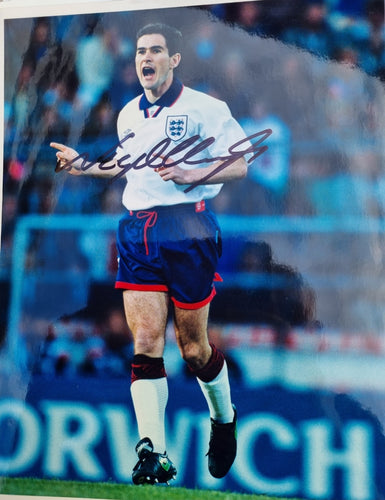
(175, 60)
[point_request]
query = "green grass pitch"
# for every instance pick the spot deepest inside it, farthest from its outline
(78, 489)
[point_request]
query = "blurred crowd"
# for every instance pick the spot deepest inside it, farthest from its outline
(74, 347)
(77, 72)
(313, 71)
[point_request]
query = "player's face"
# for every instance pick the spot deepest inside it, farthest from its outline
(154, 65)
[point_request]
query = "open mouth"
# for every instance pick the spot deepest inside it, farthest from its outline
(147, 71)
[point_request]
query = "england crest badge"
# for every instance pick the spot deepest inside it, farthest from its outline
(176, 127)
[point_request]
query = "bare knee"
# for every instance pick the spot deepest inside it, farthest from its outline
(148, 345)
(196, 355)
(146, 314)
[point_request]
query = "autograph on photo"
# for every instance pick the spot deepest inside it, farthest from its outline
(157, 158)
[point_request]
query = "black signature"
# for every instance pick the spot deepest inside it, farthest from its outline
(157, 157)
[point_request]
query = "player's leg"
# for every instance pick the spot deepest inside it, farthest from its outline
(146, 314)
(209, 366)
(204, 360)
(190, 254)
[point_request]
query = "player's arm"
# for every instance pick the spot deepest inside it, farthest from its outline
(69, 159)
(216, 173)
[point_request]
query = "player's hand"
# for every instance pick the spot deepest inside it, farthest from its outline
(64, 155)
(174, 173)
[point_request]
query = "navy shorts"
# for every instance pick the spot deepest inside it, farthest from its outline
(171, 249)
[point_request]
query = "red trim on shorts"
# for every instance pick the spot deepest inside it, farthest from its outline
(195, 305)
(200, 206)
(143, 288)
(151, 218)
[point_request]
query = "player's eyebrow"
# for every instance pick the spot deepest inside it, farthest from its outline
(153, 47)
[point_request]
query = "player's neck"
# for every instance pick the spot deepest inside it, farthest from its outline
(153, 95)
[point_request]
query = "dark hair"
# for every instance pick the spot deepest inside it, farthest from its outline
(172, 35)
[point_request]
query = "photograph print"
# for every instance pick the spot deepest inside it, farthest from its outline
(192, 246)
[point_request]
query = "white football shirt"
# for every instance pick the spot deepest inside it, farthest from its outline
(146, 129)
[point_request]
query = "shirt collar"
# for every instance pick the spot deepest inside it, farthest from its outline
(167, 99)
